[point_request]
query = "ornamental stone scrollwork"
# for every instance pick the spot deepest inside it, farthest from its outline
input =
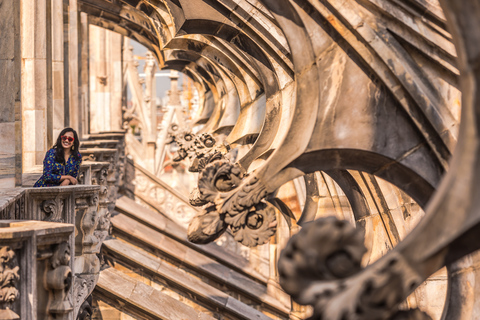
(85, 312)
(87, 219)
(58, 281)
(9, 277)
(53, 210)
(235, 205)
(83, 287)
(321, 267)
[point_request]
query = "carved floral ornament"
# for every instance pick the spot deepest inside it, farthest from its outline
(201, 149)
(9, 276)
(330, 278)
(251, 219)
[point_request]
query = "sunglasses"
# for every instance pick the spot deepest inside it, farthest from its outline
(65, 138)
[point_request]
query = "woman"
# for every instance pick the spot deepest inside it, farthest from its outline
(61, 164)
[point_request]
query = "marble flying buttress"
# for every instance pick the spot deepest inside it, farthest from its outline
(332, 280)
(238, 199)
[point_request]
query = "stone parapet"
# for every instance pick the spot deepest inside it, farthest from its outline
(84, 209)
(158, 195)
(33, 253)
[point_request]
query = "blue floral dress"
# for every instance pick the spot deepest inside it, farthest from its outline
(52, 170)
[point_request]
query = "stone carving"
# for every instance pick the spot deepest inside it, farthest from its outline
(207, 226)
(100, 178)
(58, 281)
(81, 177)
(53, 209)
(201, 149)
(321, 265)
(150, 191)
(216, 178)
(87, 218)
(235, 205)
(83, 287)
(9, 276)
(89, 157)
(85, 312)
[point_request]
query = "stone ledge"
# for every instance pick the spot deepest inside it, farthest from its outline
(176, 277)
(196, 261)
(174, 231)
(138, 297)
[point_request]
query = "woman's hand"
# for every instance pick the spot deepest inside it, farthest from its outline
(65, 182)
(73, 180)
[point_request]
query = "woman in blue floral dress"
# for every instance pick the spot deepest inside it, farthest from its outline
(61, 164)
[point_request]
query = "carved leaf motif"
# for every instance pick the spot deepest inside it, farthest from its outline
(53, 210)
(255, 227)
(206, 227)
(218, 177)
(195, 198)
(250, 192)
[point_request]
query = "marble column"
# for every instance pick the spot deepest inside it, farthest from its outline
(83, 43)
(10, 104)
(106, 80)
(73, 65)
(58, 76)
(34, 82)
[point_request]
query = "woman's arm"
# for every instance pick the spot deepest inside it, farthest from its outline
(48, 166)
(74, 172)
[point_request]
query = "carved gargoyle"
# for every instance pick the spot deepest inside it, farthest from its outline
(9, 276)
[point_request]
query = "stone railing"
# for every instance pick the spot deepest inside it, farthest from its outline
(51, 237)
(31, 253)
(81, 206)
(84, 208)
(158, 195)
(101, 148)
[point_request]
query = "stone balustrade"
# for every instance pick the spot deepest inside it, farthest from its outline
(56, 234)
(79, 205)
(34, 252)
(84, 208)
(158, 195)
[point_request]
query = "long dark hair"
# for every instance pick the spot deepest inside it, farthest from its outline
(59, 153)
